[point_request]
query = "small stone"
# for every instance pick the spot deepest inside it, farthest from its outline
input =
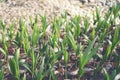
(83, 1)
(108, 66)
(92, 1)
(73, 72)
(88, 69)
(117, 77)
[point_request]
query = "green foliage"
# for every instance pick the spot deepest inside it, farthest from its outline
(2, 74)
(41, 55)
(14, 65)
(11, 32)
(85, 56)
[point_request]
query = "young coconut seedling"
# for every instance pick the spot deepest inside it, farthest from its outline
(4, 50)
(85, 56)
(14, 65)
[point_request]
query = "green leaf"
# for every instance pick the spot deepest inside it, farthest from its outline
(66, 57)
(107, 15)
(56, 27)
(116, 37)
(112, 76)
(90, 46)
(27, 42)
(97, 14)
(106, 75)
(86, 24)
(87, 55)
(116, 10)
(3, 51)
(17, 54)
(2, 25)
(92, 35)
(108, 51)
(27, 67)
(79, 49)
(33, 61)
(40, 72)
(14, 65)
(44, 23)
(24, 77)
(11, 31)
(2, 74)
(75, 22)
(72, 41)
(54, 40)
(35, 35)
(14, 68)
